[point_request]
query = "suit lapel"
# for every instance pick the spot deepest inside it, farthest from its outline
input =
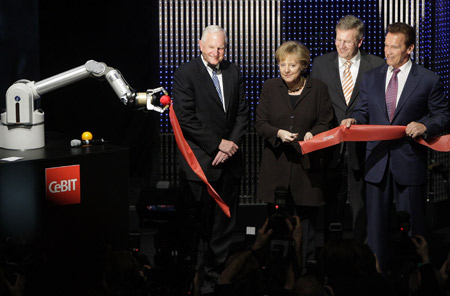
(284, 93)
(380, 89)
(206, 80)
(364, 66)
(333, 70)
(226, 79)
(411, 83)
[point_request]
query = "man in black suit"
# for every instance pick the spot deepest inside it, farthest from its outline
(345, 163)
(210, 104)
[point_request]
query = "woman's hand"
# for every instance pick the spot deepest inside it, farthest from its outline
(308, 136)
(285, 136)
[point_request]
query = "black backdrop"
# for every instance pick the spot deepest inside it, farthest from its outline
(40, 39)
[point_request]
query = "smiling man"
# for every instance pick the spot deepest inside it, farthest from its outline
(209, 101)
(398, 93)
(342, 71)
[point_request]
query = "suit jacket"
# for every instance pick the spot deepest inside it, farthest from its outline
(201, 116)
(326, 68)
(422, 100)
(283, 164)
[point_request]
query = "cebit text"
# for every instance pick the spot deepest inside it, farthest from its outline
(63, 186)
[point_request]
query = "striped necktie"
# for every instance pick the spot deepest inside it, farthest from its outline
(347, 82)
(216, 83)
(391, 94)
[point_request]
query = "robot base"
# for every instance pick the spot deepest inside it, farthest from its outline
(22, 137)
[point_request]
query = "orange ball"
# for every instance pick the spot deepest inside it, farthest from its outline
(86, 136)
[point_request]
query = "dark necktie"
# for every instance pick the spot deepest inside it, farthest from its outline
(216, 83)
(391, 94)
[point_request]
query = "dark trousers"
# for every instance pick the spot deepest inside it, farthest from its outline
(213, 230)
(344, 183)
(380, 198)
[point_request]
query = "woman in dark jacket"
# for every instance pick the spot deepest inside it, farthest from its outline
(292, 108)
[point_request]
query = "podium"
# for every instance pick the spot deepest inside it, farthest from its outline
(96, 219)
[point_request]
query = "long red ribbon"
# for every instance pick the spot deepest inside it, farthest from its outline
(187, 153)
(368, 133)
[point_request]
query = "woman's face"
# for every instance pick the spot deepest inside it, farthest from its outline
(290, 69)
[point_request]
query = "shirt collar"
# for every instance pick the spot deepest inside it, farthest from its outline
(404, 68)
(207, 66)
(355, 60)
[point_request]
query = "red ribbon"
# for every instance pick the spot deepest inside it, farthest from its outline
(187, 153)
(363, 133)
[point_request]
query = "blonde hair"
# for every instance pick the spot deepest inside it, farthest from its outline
(349, 22)
(294, 48)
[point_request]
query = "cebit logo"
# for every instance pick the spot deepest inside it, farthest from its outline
(328, 138)
(63, 185)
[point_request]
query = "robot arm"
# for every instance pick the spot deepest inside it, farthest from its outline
(21, 121)
(21, 95)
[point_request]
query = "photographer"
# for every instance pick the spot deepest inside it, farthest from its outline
(256, 270)
(423, 281)
(410, 269)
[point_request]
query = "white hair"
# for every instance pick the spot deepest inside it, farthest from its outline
(214, 29)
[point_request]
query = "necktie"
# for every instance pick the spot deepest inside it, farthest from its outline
(216, 83)
(347, 82)
(391, 94)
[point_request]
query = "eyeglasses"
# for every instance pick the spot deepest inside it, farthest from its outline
(345, 42)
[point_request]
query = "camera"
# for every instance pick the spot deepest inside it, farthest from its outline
(403, 249)
(281, 239)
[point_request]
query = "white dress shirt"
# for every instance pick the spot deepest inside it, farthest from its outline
(219, 76)
(354, 67)
(401, 77)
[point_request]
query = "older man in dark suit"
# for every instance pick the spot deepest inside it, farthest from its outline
(342, 71)
(209, 101)
(398, 93)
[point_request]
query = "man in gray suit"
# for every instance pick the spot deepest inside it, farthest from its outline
(343, 71)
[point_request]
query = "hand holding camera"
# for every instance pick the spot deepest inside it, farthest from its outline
(295, 230)
(263, 236)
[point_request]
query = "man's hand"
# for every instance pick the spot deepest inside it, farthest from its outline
(285, 136)
(18, 287)
(296, 230)
(415, 129)
(348, 122)
(262, 237)
(421, 248)
(445, 270)
(221, 157)
(228, 147)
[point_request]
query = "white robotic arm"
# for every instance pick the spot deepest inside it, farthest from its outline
(22, 127)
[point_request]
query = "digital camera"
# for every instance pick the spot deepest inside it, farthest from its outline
(281, 238)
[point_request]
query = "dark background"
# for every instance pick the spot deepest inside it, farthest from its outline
(40, 39)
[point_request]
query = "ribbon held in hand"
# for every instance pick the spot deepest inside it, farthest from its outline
(187, 153)
(363, 133)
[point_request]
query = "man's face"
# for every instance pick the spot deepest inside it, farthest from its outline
(395, 50)
(213, 48)
(347, 43)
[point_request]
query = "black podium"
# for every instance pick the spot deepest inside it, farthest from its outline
(94, 217)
